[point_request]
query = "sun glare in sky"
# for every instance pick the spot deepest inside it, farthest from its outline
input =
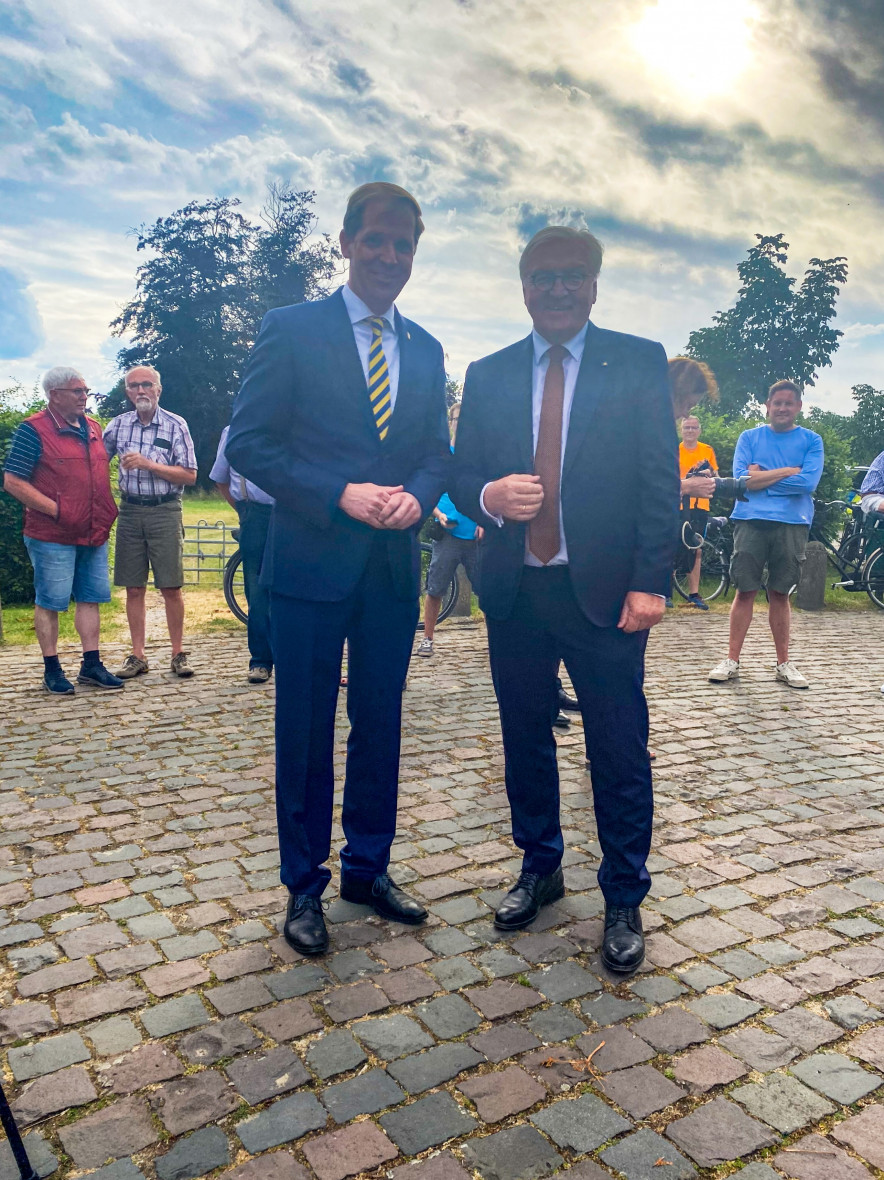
(700, 46)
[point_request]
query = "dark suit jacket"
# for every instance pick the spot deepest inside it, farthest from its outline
(302, 428)
(619, 478)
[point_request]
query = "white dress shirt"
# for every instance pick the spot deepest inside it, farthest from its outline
(571, 364)
(359, 314)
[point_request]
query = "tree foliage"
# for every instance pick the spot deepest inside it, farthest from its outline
(16, 575)
(774, 329)
(209, 277)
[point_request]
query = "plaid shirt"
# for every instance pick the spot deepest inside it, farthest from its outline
(165, 439)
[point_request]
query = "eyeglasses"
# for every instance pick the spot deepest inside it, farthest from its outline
(83, 392)
(139, 384)
(545, 280)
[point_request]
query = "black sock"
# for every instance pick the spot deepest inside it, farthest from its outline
(91, 658)
(51, 664)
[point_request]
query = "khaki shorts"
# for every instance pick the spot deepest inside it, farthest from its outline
(150, 536)
(760, 543)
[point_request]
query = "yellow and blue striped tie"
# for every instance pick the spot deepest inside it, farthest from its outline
(379, 379)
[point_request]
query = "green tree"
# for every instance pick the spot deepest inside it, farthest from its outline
(867, 423)
(200, 296)
(774, 329)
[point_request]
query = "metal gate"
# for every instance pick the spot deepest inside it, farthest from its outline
(206, 550)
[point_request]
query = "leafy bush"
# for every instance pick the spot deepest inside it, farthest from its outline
(16, 575)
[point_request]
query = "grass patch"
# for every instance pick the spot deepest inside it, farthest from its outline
(207, 506)
(18, 622)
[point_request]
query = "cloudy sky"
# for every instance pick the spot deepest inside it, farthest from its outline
(675, 129)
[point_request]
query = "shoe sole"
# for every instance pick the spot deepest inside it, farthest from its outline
(557, 896)
(406, 921)
(619, 970)
(131, 675)
(64, 692)
(183, 675)
(304, 950)
(387, 917)
(723, 679)
(96, 684)
(783, 680)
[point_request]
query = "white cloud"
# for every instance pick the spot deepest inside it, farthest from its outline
(482, 108)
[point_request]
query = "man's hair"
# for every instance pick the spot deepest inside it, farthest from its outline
(379, 190)
(149, 368)
(690, 382)
(779, 386)
(690, 418)
(580, 239)
(60, 376)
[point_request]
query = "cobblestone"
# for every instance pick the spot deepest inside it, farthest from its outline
(140, 861)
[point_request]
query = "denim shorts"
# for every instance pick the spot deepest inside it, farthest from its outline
(65, 572)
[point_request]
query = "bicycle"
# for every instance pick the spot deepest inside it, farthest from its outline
(715, 559)
(235, 588)
(858, 553)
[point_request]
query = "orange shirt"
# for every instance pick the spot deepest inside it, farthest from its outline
(688, 459)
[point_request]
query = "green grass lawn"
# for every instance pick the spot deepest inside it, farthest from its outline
(18, 622)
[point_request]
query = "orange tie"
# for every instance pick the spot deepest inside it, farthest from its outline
(544, 537)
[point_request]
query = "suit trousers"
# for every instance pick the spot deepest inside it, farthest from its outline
(606, 667)
(254, 521)
(308, 639)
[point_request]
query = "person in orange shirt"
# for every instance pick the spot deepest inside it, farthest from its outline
(690, 453)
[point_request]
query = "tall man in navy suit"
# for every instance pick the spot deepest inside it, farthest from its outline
(567, 444)
(341, 418)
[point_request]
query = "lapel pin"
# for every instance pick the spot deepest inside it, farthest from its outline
(604, 364)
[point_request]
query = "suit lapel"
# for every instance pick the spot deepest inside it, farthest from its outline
(517, 390)
(592, 384)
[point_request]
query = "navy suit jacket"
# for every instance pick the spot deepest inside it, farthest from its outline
(302, 429)
(619, 478)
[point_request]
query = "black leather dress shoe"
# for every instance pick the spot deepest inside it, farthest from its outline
(569, 704)
(623, 948)
(522, 904)
(385, 898)
(304, 928)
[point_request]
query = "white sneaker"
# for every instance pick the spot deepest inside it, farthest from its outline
(789, 674)
(728, 669)
(426, 648)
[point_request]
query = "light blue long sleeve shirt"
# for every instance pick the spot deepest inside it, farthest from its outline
(791, 500)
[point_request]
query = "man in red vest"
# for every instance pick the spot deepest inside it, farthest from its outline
(58, 468)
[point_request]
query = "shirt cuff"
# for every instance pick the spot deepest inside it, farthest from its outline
(498, 520)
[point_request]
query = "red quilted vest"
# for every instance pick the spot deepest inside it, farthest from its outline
(75, 474)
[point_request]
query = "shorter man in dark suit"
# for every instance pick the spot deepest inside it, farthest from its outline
(573, 567)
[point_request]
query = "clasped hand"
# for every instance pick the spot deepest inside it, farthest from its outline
(515, 497)
(380, 507)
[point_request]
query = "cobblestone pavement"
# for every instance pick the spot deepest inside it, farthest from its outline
(153, 1016)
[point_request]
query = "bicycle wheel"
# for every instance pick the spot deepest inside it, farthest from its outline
(714, 574)
(873, 577)
(235, 587)
(449, 598)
